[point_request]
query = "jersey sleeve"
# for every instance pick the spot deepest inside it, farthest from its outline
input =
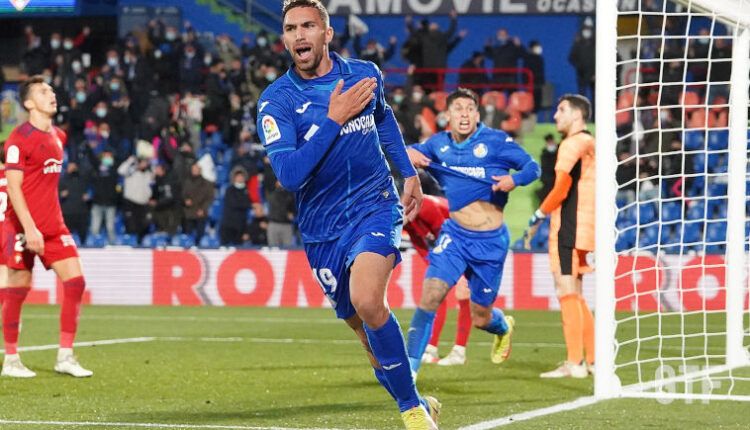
(527, 170)
(15, 154)
(388, 130)
(426, 147)
(292, 161)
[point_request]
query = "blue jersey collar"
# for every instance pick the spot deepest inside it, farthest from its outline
(469, 139)
(302, 83)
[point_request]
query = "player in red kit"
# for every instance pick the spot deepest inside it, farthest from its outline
(423, 229)
(34, 226)
(3, 207)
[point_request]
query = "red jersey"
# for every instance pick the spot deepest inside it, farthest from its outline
(3, 196)
(428, 222)
(40, 156)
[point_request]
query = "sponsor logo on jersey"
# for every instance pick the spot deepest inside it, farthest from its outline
(365, 124)
(67, 240)
(303, 108)
(52, 165)
(473, 171)
(270, 129)
(13, 155)
(480, 151)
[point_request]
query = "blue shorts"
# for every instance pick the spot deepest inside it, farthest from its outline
(479, 255)
(378, 232)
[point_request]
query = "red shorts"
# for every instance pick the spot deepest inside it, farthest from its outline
(57, 247)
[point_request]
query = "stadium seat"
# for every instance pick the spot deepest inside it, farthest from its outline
(439, 100)
(671, 211)
(648, 236)
(209, 241)
(717, 189)
(625, 239)
(96, 241)
(521, 102)
(696, 211)
(718, 140)
(513, 124)
(646, 213)
(693, 140)
(499, 98)
(692, 232)
(155, 240)
(716, 231)
(183, 240)
(126, 240)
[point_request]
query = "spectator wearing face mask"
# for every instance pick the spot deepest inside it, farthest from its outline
(74, 198)
(166, 200)
(191, 77)
(104, 193)
(582, 57)
(233, 229)
(198, 194)
(534, 61)
(504, 52)
(490, 115)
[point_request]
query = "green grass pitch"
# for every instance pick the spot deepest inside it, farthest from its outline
(299, 368)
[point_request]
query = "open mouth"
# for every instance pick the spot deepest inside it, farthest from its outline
(304, 53)
(464, 123)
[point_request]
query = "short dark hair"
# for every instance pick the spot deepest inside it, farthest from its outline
(462, 93)
(25, 88)
(579, 102)
(322, 11)
(2, 152)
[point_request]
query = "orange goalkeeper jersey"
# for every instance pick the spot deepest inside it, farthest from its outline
(571, 201)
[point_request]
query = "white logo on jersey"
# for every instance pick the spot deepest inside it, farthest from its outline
(13, 155)
(270, 129)
(509, 139)
(303, 108)
(52, 165)
(262, 105)
(392, 366)
(480, 151)
(365, 124)
(67, 240)
(476, 172)
(377, 234)
(487, 290)
(445, 148)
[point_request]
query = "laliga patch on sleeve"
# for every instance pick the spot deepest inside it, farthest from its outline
(270, 130)
(13, 155)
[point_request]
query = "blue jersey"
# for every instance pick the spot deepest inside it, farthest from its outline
(339, 173)
(465, 169)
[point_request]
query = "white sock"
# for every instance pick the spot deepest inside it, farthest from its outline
(64, 353)
(11, 357)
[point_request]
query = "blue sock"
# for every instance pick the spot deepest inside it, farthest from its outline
(387, 344)
(380, 375)
(497, 325)
(419, 333)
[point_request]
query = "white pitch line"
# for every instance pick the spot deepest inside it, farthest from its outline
(510, 419)
(150, 425)
(89, 343)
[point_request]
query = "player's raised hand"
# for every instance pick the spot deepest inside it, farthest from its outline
(412, 198)
(34, 241)
(417, 158)
(504, 183)
(348, 104)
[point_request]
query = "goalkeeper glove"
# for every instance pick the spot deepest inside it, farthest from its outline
(537, 218)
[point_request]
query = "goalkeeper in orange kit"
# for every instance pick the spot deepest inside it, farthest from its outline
(570, 204)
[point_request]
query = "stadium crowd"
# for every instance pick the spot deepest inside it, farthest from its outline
(162, 146)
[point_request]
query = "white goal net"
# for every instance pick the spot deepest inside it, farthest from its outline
(672, 206)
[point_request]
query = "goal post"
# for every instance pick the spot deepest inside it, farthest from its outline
(672, 206)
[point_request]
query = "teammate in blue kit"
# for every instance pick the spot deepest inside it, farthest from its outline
(473, 164)
(323, 124)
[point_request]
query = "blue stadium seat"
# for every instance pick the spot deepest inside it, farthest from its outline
(76, 239)
(155, 240)
(693, 140)
(209, 241)
(716, 232)
(96, 241)
(648, 236)
(696, 210)
(126, 240)
(671, 211)
(183, 240)
(646, 213)
(717, 189)
(714, 249)
(119, 224)
(718, 140)
(625, 240)
(699, 162)
(716, 161)
(692, 232)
